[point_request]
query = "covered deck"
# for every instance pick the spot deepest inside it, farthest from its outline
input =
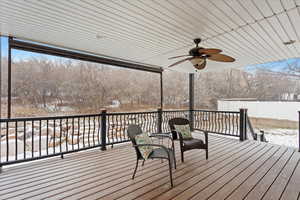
(142, 35)
(234, 170)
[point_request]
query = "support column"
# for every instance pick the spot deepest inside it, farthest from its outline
(103, 130)
(161, 91)
(191, 99)
(9, 79)
(243, 124)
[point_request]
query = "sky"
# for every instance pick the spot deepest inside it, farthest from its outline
(23, 55)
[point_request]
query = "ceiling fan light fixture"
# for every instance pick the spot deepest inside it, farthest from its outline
(197, 61)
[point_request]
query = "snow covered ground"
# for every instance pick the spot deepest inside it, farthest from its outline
(285, 137)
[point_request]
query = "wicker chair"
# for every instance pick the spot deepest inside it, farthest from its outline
(159, 152)
(187, 144)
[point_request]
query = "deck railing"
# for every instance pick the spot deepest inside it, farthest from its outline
(25, 139)
(219, 122)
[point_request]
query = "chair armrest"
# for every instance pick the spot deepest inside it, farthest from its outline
(158, 135)
(180, 138)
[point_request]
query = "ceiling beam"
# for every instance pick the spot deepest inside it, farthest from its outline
(50, 50)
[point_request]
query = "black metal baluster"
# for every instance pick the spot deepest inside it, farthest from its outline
(154, 120)
(143, 121)
(89, 131)
(233, 124)
(24, 137)
(7, 144)
(47, 139)
(73, 134)
(149, 122)
(117, 130)
(195, 119)
(16, 140)
(78, 137)
(99, 129)
(54, 134)
(109, 135)
(94, 130)
(67, 134)
(120, 127)
(139, 121)
(214, 114)
(230, 123)
(124, 126)
(112, 127)
(83, 132)
(40, 138)
(212, 121)
(218, 122)
(237, 124)
(60, 135)
(224, 118)
(208, 121)
(118, 134)
(221, 122)
(163, 117)
(32, 138)
(200, 119)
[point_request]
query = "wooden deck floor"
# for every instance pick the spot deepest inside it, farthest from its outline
(235, 170)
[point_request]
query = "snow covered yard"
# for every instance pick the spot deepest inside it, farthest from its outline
(285, 137)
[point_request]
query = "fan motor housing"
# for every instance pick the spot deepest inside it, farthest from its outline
(195, 51)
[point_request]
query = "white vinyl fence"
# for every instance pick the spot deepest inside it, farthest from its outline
(264, 109)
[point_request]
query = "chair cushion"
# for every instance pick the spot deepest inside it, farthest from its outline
(161, 153)
(144, 139)
(185, 130)
(193, 143)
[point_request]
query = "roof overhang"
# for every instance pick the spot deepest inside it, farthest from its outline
(148, 32)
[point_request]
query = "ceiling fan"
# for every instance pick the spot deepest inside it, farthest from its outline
(198, 55)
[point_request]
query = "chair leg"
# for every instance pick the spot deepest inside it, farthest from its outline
(182, 156)
(174, 162)
(170, 170)
(136, 166)
(206, 153)
(143, 163)
(173, 147)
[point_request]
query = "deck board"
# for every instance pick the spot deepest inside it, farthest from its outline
(239, 185)
(260, 182)
(235, 170)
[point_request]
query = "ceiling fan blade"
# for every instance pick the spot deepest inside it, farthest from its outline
(221, 58)
(178, 56)
(201, 66)
(180, 61)
(210, 51)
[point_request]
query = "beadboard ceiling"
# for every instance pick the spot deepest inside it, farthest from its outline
(150, 31)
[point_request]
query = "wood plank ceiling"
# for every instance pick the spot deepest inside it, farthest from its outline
(150, 31)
